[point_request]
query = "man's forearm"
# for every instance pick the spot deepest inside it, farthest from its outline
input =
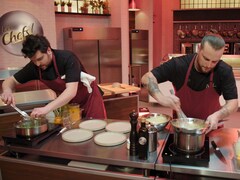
(230, 107)
(9, 84)
(150, 83)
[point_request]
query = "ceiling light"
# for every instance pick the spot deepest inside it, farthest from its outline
(133, 6)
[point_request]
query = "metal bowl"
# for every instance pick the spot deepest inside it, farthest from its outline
(32, 127)
(158, 120)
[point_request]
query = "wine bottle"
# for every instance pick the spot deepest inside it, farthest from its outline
(143, 141)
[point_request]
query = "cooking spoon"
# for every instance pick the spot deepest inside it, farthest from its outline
(180, 113)
(23, 113)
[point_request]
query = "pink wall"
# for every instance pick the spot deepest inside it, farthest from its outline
(156, 16)
(163, 29)
(46, 19)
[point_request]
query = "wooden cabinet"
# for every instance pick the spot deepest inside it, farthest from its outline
(120, 107)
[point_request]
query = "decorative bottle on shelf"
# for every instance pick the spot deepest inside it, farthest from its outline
(133, 134)
(143, 141)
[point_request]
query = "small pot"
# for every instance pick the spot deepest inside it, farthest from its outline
(195, 31)
(224, 34)
(230, 33)
(201, 33)
(31, 127)
(238, 34)
(189, 134)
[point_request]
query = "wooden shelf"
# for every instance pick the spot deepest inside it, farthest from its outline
(85, 14)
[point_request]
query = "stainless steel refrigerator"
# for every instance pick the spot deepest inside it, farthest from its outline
(139, 60)
(99, 50)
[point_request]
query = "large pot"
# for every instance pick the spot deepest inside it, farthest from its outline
(189, 134)
(31, 127)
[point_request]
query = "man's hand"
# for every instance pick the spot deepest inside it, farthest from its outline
(212, 122)
(39, 112)
(8, 98)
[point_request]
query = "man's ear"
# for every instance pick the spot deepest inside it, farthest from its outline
(49, 51)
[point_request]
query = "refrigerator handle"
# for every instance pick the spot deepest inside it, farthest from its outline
(135, 81)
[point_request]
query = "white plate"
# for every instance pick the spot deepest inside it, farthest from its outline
(121, 127)
(77, 135)
(93, 124)
(110, 139)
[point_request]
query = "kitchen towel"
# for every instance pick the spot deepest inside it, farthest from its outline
(86, 79)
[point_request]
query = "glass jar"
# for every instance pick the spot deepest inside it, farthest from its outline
(66, 120)
(74, 112)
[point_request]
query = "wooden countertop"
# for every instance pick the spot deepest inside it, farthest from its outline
(111, 89)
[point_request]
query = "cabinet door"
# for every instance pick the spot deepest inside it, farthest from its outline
(87, 52)
(110, 61)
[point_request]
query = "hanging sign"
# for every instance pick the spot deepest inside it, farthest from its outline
(14, 27)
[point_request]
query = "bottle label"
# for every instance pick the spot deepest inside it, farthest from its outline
(142, 140)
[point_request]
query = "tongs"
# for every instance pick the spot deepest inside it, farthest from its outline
(180, 113)
(23, 113)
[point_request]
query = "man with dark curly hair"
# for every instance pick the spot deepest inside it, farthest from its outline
(49, 66)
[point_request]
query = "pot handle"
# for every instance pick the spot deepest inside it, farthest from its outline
(204, 130)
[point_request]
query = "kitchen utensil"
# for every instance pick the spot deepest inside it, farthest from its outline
(180, 113)
(187, 32)
(195, 31)
(158, 120)
(181, 33)
(31, 127)
(69, 126)
(189, 134)
(201, 32)
(23, 113)
(218, 152)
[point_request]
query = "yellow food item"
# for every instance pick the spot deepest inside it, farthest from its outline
(74, 112)
(58, 120)
(157, 119)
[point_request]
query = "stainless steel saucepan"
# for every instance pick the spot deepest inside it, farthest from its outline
(189, 134)
(31, 127)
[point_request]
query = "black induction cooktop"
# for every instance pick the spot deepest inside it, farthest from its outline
(14, 139)
(172, 155)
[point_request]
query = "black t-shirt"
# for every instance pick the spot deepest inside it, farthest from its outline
(68, 64)
(175, 71)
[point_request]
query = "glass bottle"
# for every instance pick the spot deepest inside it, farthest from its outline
(66, 120)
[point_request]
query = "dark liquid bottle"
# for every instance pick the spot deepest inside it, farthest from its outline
(143, 141)
(133, 134)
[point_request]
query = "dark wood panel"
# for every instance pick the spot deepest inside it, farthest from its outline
(206, 14)
(120, 107)
(7, 124)
(31, 171)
